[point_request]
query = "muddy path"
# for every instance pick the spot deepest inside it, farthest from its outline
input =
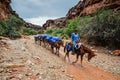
(25, 60)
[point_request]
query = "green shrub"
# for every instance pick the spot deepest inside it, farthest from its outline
(2, 27)
(104, 29)
(71, 26)
(57, 32)
(49, 31)
(11, 27)
(29, 31)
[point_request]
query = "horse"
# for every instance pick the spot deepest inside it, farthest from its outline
(56, 44)
(80, 52)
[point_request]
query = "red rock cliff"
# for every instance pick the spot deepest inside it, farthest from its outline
(5, 8)
(88, 7)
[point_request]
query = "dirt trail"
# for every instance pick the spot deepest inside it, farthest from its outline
(88, 71)
(26, 60)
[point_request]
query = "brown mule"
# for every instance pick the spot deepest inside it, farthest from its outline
(57, 46)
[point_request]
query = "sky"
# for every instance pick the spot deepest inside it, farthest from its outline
(38, 11)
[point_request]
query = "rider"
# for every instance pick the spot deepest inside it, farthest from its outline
(75, 37)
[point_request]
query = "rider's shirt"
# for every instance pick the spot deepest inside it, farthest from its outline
(75, 38)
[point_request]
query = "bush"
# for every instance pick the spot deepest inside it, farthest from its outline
(2, 27)
(11, 27)
(56, 32)
(29, 31)
(71, 26)
(49, 31)
(104, 29)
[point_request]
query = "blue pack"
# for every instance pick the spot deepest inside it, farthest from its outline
(53, 40)
(36, 36)
(48, 38)
(57, 38)
(44, 35)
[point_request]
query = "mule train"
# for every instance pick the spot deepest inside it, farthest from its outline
(56, 42)
(49, 41)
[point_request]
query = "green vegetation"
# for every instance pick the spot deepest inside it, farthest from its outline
(57, 32)
(11, 27)
(29, 31)
(105, 29)
(102, 29)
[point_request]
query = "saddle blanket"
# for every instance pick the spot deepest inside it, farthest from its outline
(77, 45)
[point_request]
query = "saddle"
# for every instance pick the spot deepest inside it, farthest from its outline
(77, 47)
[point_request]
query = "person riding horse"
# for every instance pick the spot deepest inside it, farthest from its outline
(80, 51)
(75, 37)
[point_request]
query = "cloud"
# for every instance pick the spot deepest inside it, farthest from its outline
(39, 20)
(34, 11)
(35, 8)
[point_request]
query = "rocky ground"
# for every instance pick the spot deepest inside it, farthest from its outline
(27, 61)
(22, 59)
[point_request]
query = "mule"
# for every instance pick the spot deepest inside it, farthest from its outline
(80, 52)
(43, 38)
(56, 44)
(36, 38)
(48, 41)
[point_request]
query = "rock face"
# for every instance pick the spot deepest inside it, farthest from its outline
(33, 26)
(88, 7)
(57, 23)
(6, 9)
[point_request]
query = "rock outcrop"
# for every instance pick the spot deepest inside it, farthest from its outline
(88, 7)
(33, 26)
(56, 23)
(5, 8)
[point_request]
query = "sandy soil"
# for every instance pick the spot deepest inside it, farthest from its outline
(25, 60)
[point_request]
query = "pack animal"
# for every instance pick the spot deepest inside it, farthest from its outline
(80, 52)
